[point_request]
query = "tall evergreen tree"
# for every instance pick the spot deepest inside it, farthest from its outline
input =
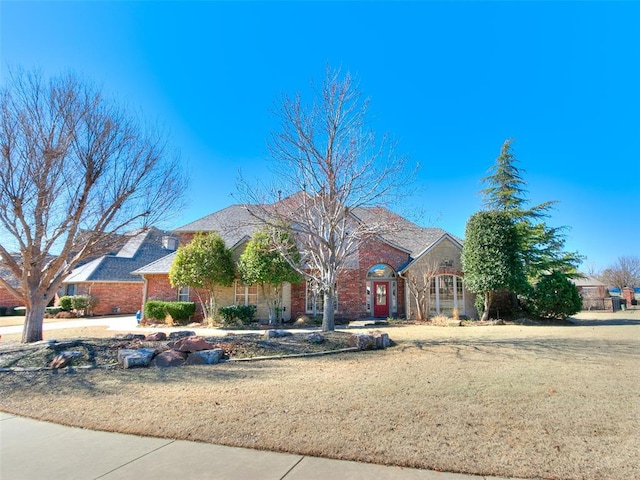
(541, 246)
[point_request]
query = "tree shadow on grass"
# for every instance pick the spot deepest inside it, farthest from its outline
(587, 350)
(101, 381)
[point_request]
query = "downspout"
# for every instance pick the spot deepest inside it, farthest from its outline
(144, 295)
(407, 302)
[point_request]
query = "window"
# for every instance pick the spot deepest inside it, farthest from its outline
(446, 294)
(246, 294)
(70, 289)
(183, 294)
(381, 271)
(315, 299)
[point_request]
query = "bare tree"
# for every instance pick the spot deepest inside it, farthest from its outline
(420, 288)
(75, 171)
(624, 273)
(327, 166)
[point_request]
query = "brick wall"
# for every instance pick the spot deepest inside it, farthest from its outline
(8, 300)
(352, 282)
(113, 297)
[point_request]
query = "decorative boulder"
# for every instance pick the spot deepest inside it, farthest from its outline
(191, 344)
(382, 339)
(156, 337)
(205, 357)
(170, 358)
(131, 336)
(315, 338)
(362, 341)
(63, 359)
(277, 333)
(181, 334)
(129, 358)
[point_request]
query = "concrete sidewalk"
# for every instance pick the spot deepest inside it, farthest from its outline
(30, 450)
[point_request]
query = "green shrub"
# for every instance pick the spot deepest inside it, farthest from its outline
(65, 303)
(3, 311)
(155, 310)
(21, 311)
(179, 311)
(82, 302)
(53, 310)
(244, 313)
(554, 296)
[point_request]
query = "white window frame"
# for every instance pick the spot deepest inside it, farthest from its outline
(245, 294)
(319, 300)
(183, 294)
(458, 302)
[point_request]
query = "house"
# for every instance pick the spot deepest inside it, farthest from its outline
(108, 278)
(371, 286)
(7, 299)
(594, 293)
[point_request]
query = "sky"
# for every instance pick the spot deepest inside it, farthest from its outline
(449, 81)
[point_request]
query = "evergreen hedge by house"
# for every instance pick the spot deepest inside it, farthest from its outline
(179, 311)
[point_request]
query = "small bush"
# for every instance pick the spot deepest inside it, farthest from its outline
(82, 303)
(554, 296)
(180, 312)
(65, 303)
(3, 311)
(244, 313)
(53, 310)
(20, 311)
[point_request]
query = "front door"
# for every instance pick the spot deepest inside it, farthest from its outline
(381, 299)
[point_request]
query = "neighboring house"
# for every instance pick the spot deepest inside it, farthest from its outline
(7, 299)
(372, 286)
(594, 293)
(108, 279)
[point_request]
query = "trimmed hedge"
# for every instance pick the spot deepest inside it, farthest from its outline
(77, 303)
(179, 311)
(244, 313)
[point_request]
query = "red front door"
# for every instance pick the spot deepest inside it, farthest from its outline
(381, 299)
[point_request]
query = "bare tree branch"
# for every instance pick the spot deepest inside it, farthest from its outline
(328, 165)
(75, 171)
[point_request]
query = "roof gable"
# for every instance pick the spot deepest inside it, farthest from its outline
(141, 248)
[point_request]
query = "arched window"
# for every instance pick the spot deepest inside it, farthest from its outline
(381, 270)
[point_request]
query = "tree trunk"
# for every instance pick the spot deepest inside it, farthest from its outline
(34, 317)
(487, 304)
(328, 314)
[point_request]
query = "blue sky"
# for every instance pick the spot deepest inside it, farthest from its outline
(449, 80)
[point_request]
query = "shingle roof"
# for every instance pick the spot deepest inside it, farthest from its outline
(162, 265)
(404, 233)
(141, 248)
(233, 224)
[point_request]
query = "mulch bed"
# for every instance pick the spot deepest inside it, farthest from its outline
(103, 352)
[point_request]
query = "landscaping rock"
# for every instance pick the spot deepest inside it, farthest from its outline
(131, 336)
(205, 357)
(170, 358)
(156, 337)
(190, 344)
(181, 334)
(63, 359)
(277, 333)
(315, 338)
(382, 339)
(362, 341)
(141, 357)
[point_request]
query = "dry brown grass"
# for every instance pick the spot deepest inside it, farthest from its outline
(513, 401)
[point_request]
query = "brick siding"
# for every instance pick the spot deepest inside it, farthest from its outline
(113, 297)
